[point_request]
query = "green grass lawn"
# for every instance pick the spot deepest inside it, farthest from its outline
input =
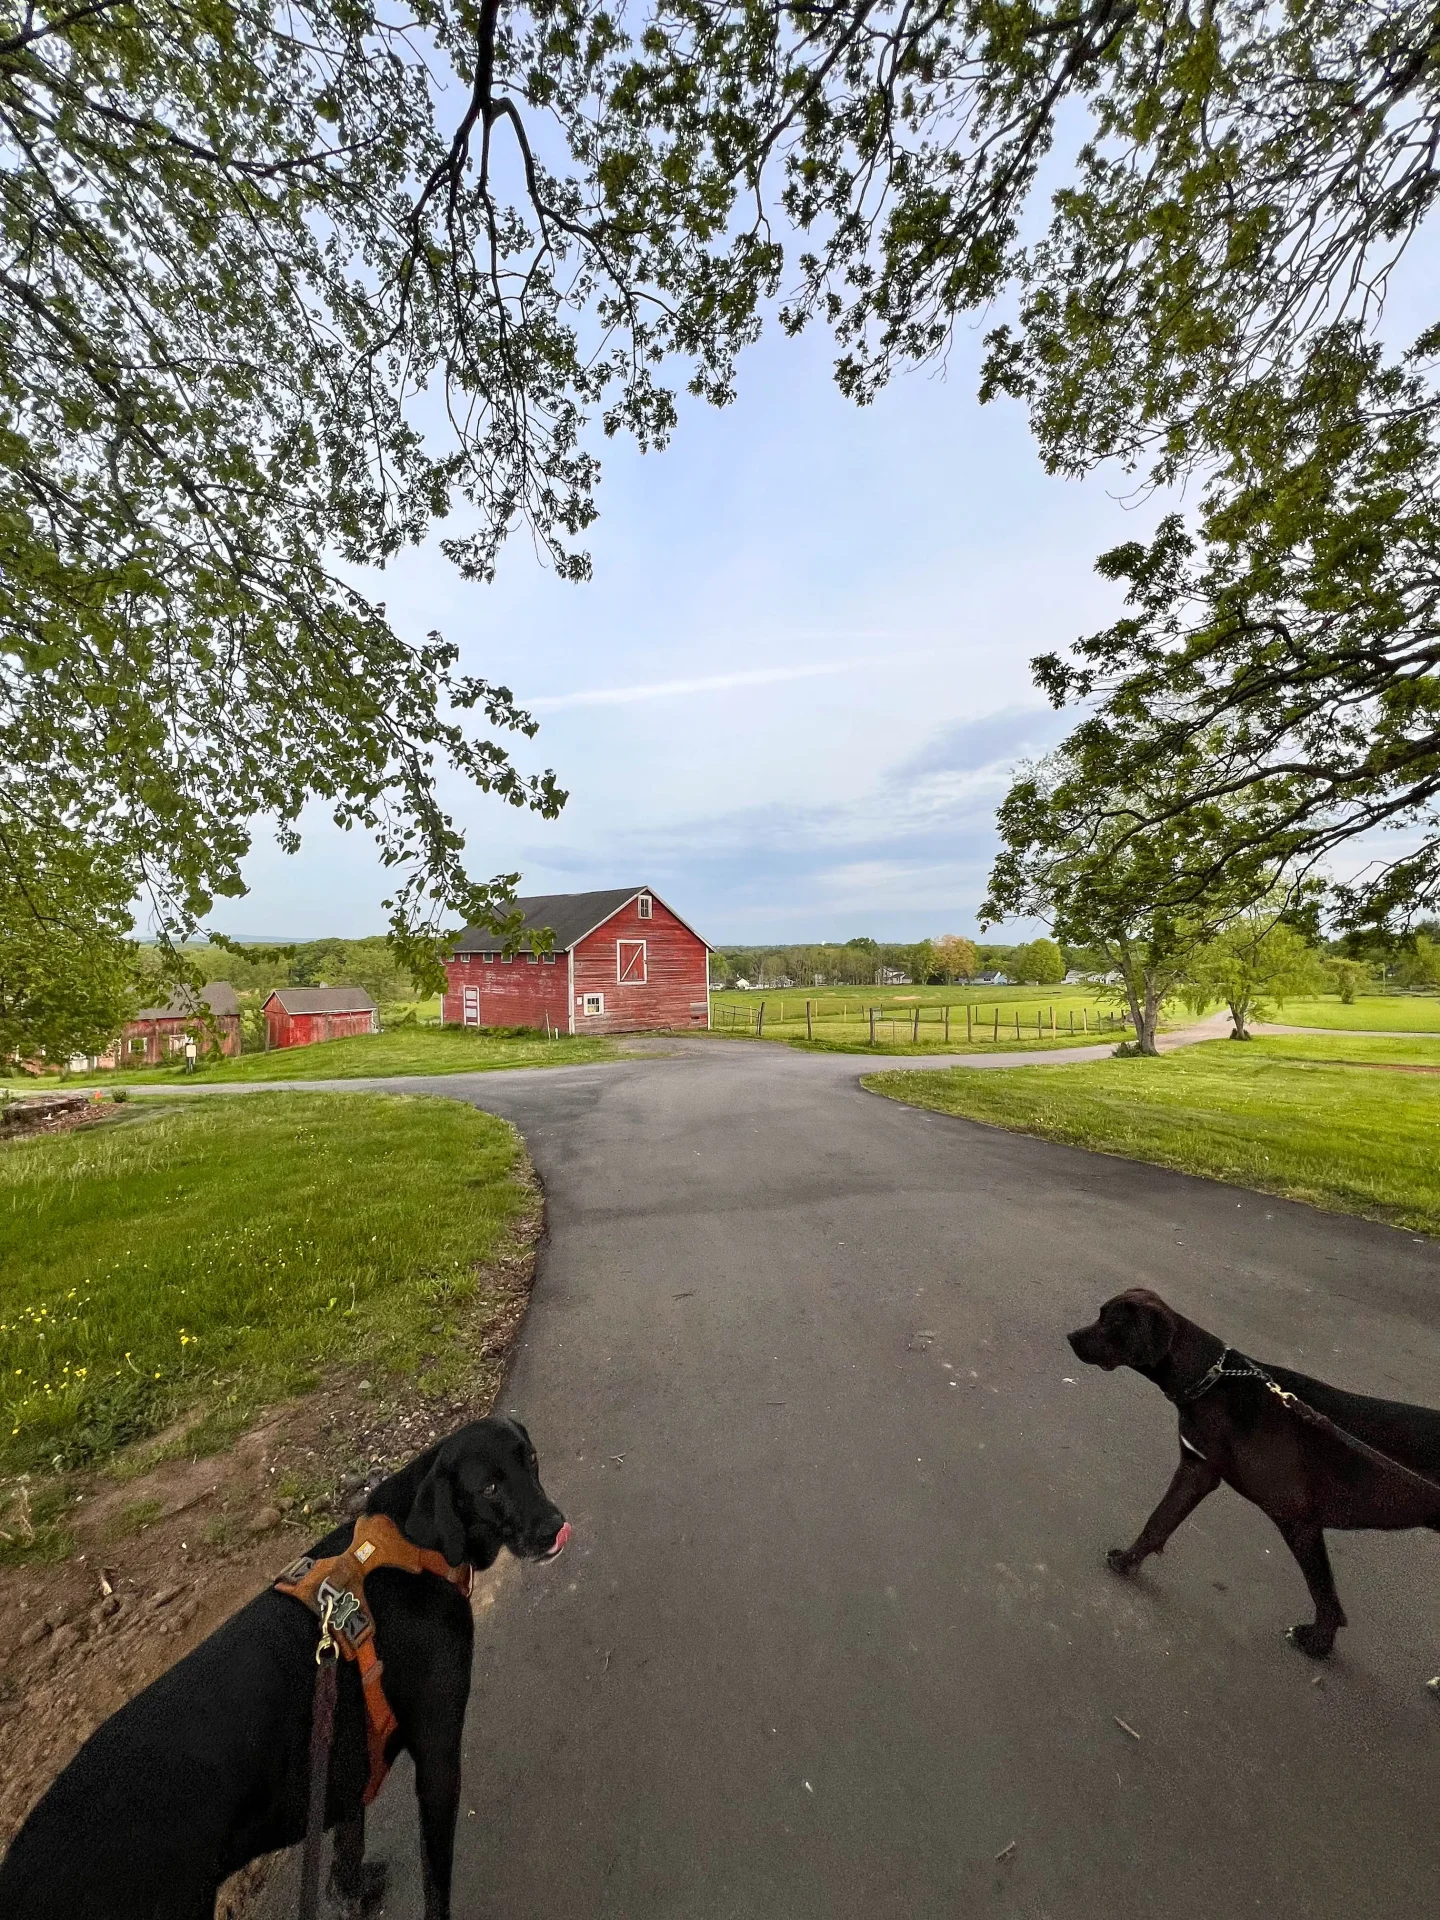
(404, 1050)
(211, 1256)
(1308, 1117)
(1383, 1013)
(980, 1020)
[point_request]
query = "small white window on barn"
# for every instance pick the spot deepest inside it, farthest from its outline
(137, 1046)
(548, 958)
(488, 958)
(533, 958)
(507, 959)
(630, 962)
(642, 906)
(593, 1002)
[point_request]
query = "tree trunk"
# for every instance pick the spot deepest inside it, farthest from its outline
(1239, 1013)
(1144, 1010)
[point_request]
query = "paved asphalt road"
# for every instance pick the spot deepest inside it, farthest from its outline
(835, 1628)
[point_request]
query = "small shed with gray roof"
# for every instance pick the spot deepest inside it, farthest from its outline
(300, 1016)
(154, 1035)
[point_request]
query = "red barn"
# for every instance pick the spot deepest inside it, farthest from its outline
(621, 961)
(155, 1034)
(299, 1016)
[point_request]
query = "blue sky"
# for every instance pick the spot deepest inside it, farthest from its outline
(789, 698)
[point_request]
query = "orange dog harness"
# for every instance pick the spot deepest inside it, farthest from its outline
(337, 1586)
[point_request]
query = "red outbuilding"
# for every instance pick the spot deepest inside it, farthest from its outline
(621, 961)
(155, 1035)
(299, 1016)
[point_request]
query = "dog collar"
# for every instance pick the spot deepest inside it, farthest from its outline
(1247, 1370)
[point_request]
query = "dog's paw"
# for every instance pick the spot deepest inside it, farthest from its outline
(354, 1902)
(1313, 1640)
(1121, 1560)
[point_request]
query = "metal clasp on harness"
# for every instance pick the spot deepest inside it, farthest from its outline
(347, 1616)
(327, 1649)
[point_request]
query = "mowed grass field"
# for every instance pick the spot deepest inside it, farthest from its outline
(404, 1050)
(1380, 1013)
(212, 1256)
(1342, 1122)
(998, 1017)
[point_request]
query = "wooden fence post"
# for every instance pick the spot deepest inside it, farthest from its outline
(760, 1023)
(809, 1025)
(1052, 1023)
(1084, 1019)
(1017, 1023)
(996, 1034)
(969, 1029)
(872, 1026)
(915, 1027)
(947, 1026)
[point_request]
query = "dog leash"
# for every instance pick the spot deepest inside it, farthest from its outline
(322, 1733)
(1249, 1369)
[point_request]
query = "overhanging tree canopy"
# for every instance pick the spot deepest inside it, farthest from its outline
(278, 290)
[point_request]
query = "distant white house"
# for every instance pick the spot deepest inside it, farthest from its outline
(1075, 978)
(891, 977)
(993, 980)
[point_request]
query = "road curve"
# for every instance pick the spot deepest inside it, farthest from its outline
(835, 1629)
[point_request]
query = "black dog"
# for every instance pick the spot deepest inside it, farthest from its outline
(208, 1767)
(1233, 1428)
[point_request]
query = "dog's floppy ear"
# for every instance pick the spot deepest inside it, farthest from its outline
(433, 1520)
(1149, 1328)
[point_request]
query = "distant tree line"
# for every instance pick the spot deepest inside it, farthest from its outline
(370, 963)
(948, 959)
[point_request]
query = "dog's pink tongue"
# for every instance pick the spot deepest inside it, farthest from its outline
(560, 1539)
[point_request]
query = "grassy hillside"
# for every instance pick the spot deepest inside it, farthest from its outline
(402, 1051)
(212, 1255)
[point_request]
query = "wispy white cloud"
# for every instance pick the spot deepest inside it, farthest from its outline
(710, 683)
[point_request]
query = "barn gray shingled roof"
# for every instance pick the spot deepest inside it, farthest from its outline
(322, 999)
(220, 997)
(570, 916)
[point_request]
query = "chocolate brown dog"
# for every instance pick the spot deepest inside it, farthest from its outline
(1233, 1428)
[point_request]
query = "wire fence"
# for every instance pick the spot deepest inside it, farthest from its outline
(917, 1023)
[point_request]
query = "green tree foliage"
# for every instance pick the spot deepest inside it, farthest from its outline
(1287, 656)
(1074, 856)
(1347, 978)
(1420, 964)
(1039, 963)
(956, 957)
(1254, 966)
(280, 291)
(284, 291)
(1235, 185)
(69, 977)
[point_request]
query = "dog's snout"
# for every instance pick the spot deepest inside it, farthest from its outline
(1088, 1344)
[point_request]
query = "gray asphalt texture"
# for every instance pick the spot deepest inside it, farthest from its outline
(835, 1629)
